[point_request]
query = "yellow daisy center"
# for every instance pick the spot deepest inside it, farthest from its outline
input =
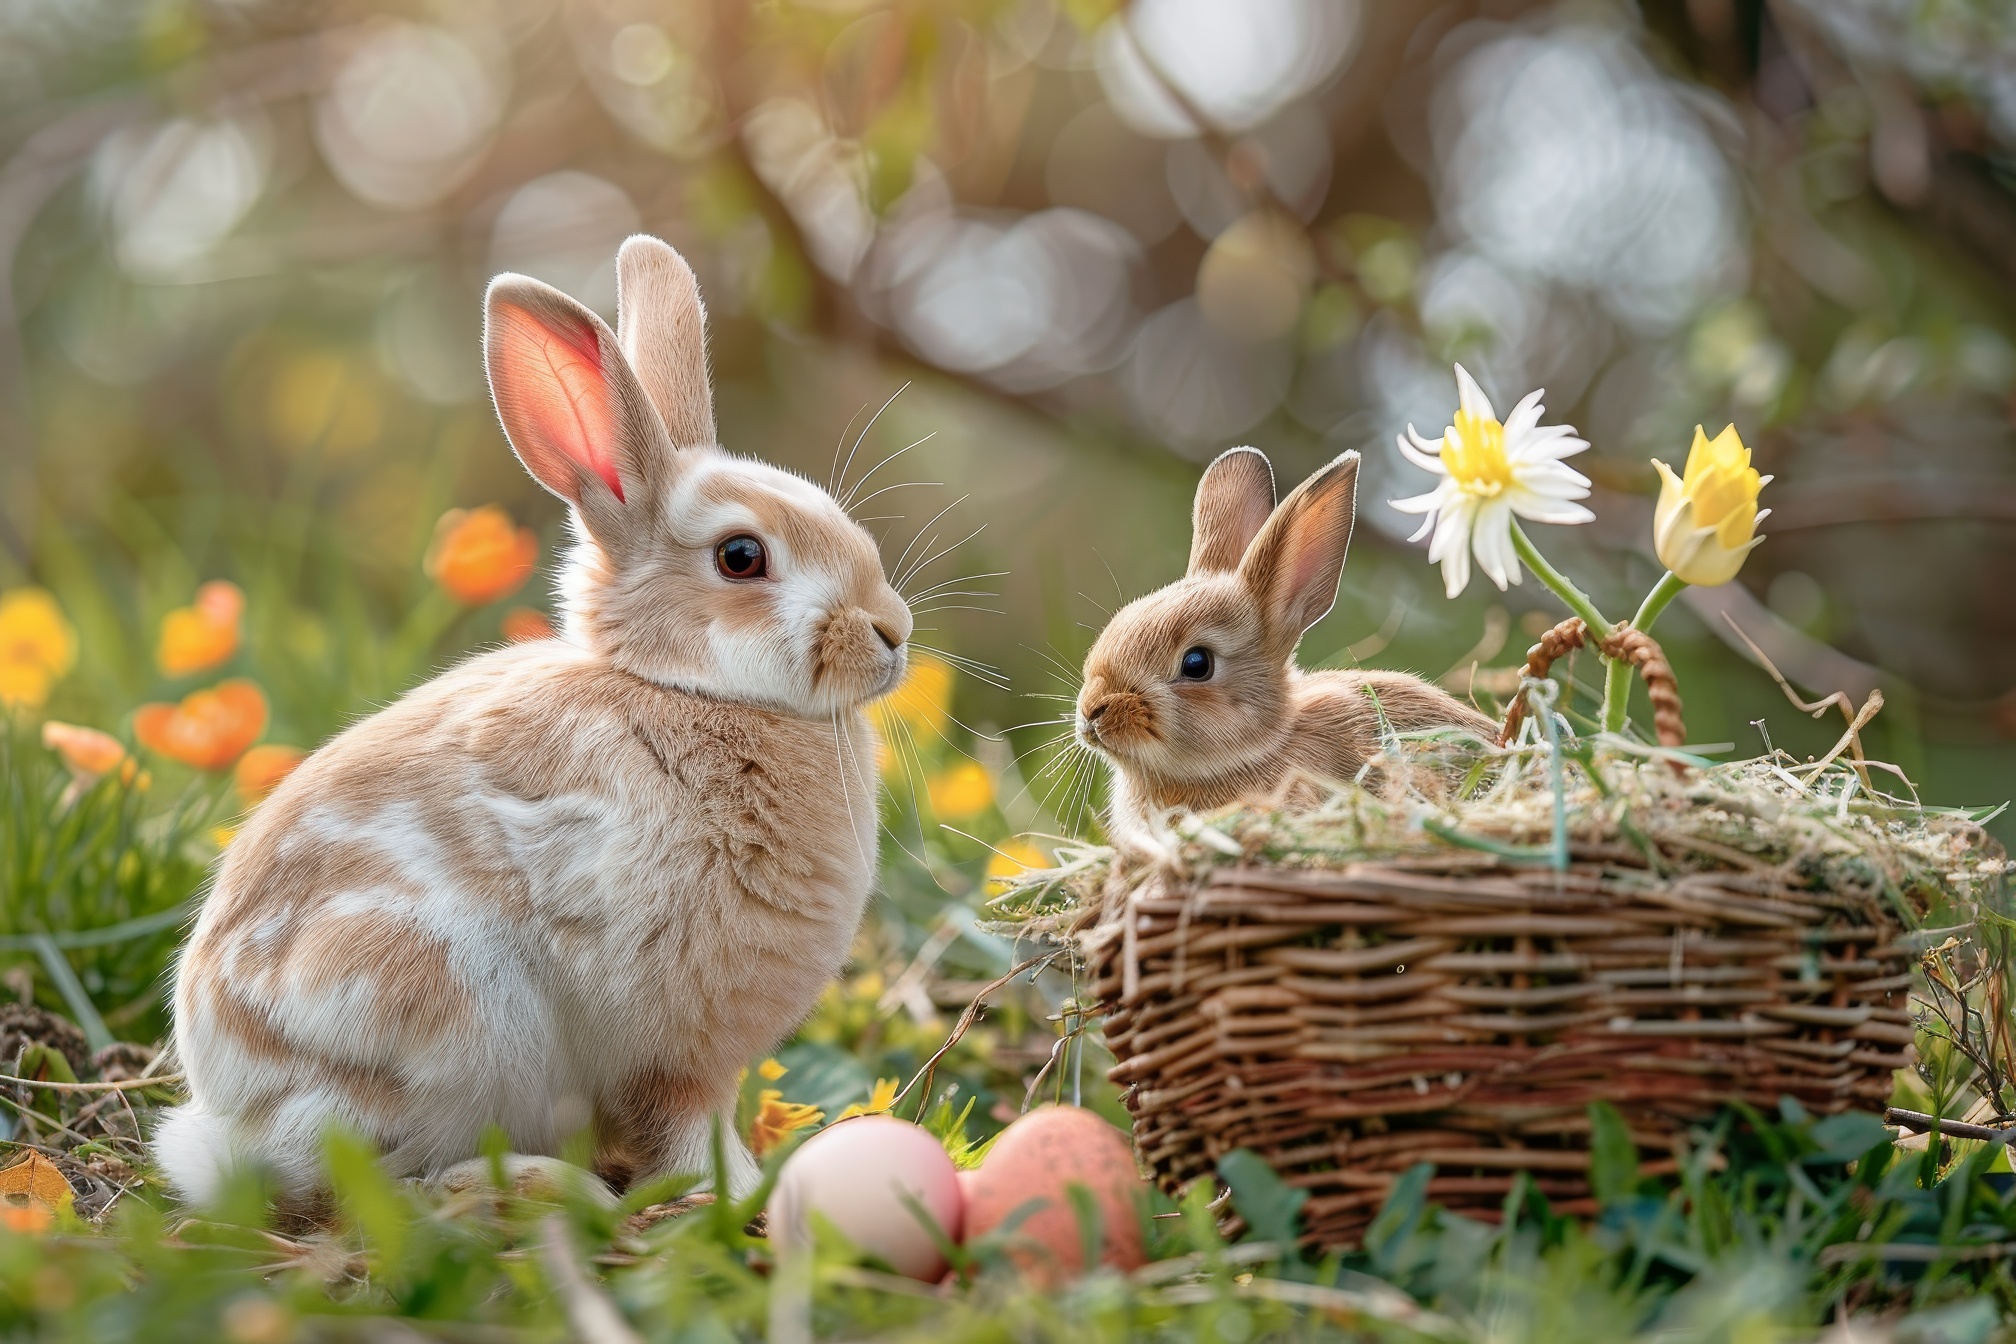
(1473, 450)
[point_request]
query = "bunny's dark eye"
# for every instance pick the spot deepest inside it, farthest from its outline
(1196, 664)
(741, 558)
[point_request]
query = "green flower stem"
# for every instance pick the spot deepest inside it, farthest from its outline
(1617, 676)
(1616, 694)
(1577, 600)
(1658, 600)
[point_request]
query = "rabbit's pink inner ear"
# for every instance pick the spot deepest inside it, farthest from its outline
(547, 373)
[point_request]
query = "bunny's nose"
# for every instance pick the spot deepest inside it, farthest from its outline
(1092, 714)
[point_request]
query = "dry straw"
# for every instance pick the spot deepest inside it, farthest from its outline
(1450, 959)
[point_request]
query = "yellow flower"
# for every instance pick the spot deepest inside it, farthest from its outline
(1014, 858)
(480, 555)
(879, 1102)
(37, 647)
(777, 1119)
(771, 1070)
(963, 791)
(923, 702)
(204, 634)
(1707, 520)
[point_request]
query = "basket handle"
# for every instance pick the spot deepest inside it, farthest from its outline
(1632, 646)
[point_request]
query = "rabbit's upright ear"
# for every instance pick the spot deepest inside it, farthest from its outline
(1233, 501)
(571, 407)
(663, 327)
(1293, 566)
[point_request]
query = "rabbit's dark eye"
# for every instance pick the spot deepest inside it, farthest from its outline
(741, 558)
(1196, 664)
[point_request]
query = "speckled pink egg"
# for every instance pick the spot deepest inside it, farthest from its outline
(855, 1174)
(1037, 1157)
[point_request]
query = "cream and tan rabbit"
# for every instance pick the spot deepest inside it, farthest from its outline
(1192, 692)
(579, 882)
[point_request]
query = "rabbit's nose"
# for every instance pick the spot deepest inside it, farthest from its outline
(1092, 714)
(890, 640)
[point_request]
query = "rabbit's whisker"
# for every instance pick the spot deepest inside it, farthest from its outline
(883, 490)
(833, 470)
(898, 568)
(864, 431)
(963, 578)
(923, 565)
(848, 501)
(847, 793)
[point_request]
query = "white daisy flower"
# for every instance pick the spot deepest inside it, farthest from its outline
(1490, 472)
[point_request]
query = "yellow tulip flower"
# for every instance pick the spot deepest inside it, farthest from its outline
(1707, 520)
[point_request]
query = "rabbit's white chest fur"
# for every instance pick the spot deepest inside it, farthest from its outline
(537, 893)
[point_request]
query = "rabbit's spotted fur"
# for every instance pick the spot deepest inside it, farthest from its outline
(1259, 576)
(579, 883)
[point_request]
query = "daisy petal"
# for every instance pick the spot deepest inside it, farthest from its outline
(1546, 509)
(1525, 415)
(1548, 443)
(1472, 396)
(1425, 455)
(1492, 540)
(1427, 503)
(1456, 572)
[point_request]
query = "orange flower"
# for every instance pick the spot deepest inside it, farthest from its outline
(86, 751)
(261, 769)
(90, 755)
(522, 625)
(480, 555)
(209, 729)
(27, 1219)
(203, 634)
(777, 1119)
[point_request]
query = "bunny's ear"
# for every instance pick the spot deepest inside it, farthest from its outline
(1293, 566)
(1233, 501)
(663, 327)
(570, 405)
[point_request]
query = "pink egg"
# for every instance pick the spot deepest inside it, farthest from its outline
(1036, 1158)
(855, 1174)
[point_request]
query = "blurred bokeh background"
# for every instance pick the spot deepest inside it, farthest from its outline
(1070, 249)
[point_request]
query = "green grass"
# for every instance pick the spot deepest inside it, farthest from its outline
(1775, 1225)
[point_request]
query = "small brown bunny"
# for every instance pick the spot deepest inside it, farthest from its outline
(1192, 691)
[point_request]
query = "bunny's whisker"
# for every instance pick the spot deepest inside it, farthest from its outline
(883, 490)
(864, 432)
(923, 565)
(932, 522)
(963, 578)
(847, 500)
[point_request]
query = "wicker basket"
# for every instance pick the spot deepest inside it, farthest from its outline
(1454, 1008)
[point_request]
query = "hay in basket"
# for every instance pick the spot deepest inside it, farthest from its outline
(1447, 964)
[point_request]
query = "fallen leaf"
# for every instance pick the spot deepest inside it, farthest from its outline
(33, 1194)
